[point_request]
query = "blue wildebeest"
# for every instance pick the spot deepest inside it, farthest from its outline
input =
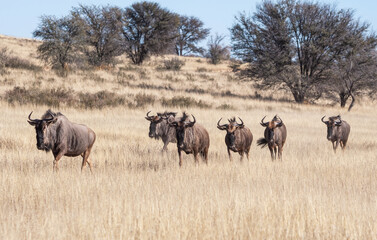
(191, 138)
(275, 136)
(238, 138)
(64, 138)
(159, 128)
(337, 131)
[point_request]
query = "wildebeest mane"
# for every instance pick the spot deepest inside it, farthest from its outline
(49, 114)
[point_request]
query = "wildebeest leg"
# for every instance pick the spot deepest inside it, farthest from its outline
(336, 145)
(280, 153)
(85, 160)
(180, 157)
(275, 150)
(56, 160)
(241, 154)
(206, 155)
(164, 148)
(196, 157)
(344, 144)
(272, 152)
(247, 154)
(230, 156)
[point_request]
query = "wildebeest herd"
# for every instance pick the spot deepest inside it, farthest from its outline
(64, 138)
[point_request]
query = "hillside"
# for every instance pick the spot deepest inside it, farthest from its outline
(136, 192)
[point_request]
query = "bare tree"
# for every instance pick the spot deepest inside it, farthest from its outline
(61, 38)
(190, 33)
(216, 50)
(102, 27)
(291, 44)
(148, 29)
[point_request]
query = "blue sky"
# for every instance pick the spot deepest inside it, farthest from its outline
(20, 18)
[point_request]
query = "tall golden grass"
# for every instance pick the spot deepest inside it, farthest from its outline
(136, 192)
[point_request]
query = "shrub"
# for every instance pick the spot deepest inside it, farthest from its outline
(173, 64)
(63, 97)
(7, 60)
(185, 102)
(50, 97)
(225, 106)
(142, 99)
(100, 100)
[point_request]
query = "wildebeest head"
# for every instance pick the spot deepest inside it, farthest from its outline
(155, 120)
(331, 124)
(230, 129)
(181, 126)
(41, 129)
(271, 126)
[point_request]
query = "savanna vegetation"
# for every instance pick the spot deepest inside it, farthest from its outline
(135, 191)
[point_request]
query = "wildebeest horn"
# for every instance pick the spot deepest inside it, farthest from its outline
(52, 116)
(190, 124)
(338, 122)
(280, 121)
(221, 127)
(325, 122)
(194, 119)
(32, 121)
(149, 118)
(241, 125)
(263, 123)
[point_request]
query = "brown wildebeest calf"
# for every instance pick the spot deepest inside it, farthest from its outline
(64, 138)
(275, 136)
(337, 131)
(238, 138)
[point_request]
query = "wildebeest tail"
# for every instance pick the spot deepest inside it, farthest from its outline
(262, 142)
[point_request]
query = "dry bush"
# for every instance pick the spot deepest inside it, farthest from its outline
(10, 61)
(142, 99)
(225, 106)
(184, 102)
(57, 97)
(100, 100)
(174, 64)
(50, 97)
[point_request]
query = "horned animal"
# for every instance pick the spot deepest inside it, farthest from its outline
(159, 128)
(275, 136)
(338, 131)
(64, 138)
(191, 138)
(238, 137)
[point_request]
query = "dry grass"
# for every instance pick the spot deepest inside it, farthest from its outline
(136, 193)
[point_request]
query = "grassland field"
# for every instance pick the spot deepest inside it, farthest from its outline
(135, 192)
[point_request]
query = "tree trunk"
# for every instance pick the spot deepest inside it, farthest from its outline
(343, 99)
(298, 96)
(352, 102)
